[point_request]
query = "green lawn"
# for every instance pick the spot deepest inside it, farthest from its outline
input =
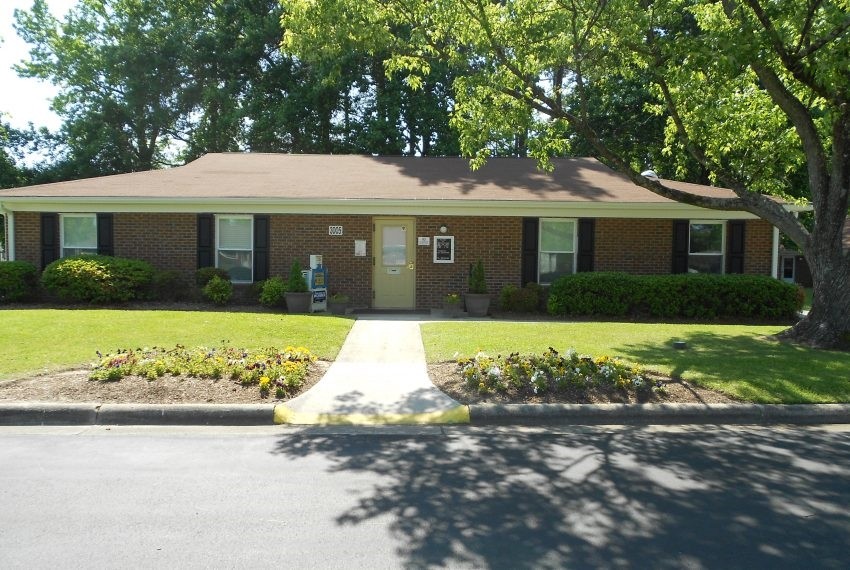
(47, 339)
(736, 359)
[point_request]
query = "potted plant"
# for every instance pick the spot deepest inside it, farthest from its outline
(477, 300)
(338, 303)
(451, 304)
(298, 295)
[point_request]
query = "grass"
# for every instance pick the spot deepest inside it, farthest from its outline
(739, 360)
(40, 340)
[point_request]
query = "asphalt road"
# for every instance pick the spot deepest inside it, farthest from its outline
(584, 497)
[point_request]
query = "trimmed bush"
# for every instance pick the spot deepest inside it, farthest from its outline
(168, 285)
(205, 274)
(526, 300)
(218, 290)
(666, 296)
(18, 281)
(273, 293)
(98, 279)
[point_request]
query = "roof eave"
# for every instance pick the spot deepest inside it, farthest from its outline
(498, 208)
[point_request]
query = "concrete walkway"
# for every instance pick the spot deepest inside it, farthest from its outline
(379, 377)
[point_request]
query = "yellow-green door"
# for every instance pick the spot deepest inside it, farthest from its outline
(394, 279)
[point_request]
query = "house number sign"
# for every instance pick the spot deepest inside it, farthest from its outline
(334, 230)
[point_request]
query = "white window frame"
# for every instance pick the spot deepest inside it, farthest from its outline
(540, 243)
(722, 252)
(218, 245)
(62, 218)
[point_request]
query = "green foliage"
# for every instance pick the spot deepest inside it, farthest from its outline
(219, 291)
(18, 281)
(296, 283)
(665, 296)
(512, 299)
(284, 370)
(168, 285)
(477, 280)
(205, 274)
(552, 372)
(98, 279)
(273, 293)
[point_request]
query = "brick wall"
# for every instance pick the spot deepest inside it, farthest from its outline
(496, 241)
(166, 241)
(298, 236)
(758, 244)
(641, 247)
(28, 237)
(645, 247)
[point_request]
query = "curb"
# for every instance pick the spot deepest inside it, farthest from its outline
(283, 414)
(50, 414)
(58, 414)
(589, 414)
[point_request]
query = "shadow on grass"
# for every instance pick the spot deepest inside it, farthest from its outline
(595, 499)
(752, 368)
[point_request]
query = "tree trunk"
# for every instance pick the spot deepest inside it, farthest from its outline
(828, 323)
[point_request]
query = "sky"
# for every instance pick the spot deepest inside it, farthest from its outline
(24, 100)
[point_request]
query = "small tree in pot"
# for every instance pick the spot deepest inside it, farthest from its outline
(477, 300)
(298, 295)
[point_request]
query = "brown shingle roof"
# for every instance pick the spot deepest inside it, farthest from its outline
(350, 177)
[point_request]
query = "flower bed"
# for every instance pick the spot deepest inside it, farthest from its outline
(270, 369)
(553, 372)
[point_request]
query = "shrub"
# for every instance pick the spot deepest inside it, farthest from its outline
(218, 290)
(296, 283)
(18, 281)
(205, 274)
(273, 293)
(664, 296)
(168, 285)
(477, 281)
(514, 299)
(98, 279)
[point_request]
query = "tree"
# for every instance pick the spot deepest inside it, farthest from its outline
(122, 70)
(750, 91)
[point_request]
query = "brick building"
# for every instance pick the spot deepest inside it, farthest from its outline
(393, 232)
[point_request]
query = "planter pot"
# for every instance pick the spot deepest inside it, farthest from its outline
(337, 307)
(477, 304)
(299, 302)
(451, 310)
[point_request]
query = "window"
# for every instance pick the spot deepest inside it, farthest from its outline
(235, 247)
(706, 246)
(556, 249)
(78, 234)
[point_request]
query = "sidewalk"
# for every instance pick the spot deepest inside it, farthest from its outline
(379, 377)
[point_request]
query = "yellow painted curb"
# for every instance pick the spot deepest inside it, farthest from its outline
(284, 415)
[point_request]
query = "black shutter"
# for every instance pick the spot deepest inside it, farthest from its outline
(735, 247)
(681, 246)
(586, 238)
(104, 234)
(206, 236)
(530, 230)
(261, 248)
(49, 239)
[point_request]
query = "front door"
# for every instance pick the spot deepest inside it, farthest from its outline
(395, 263)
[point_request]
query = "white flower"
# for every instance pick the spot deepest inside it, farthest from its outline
(495, 372)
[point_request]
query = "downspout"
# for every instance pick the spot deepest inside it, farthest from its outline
(774, 272)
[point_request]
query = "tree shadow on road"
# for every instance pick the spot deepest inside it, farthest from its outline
(630, 498)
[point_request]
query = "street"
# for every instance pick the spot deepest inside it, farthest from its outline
(506, 497)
